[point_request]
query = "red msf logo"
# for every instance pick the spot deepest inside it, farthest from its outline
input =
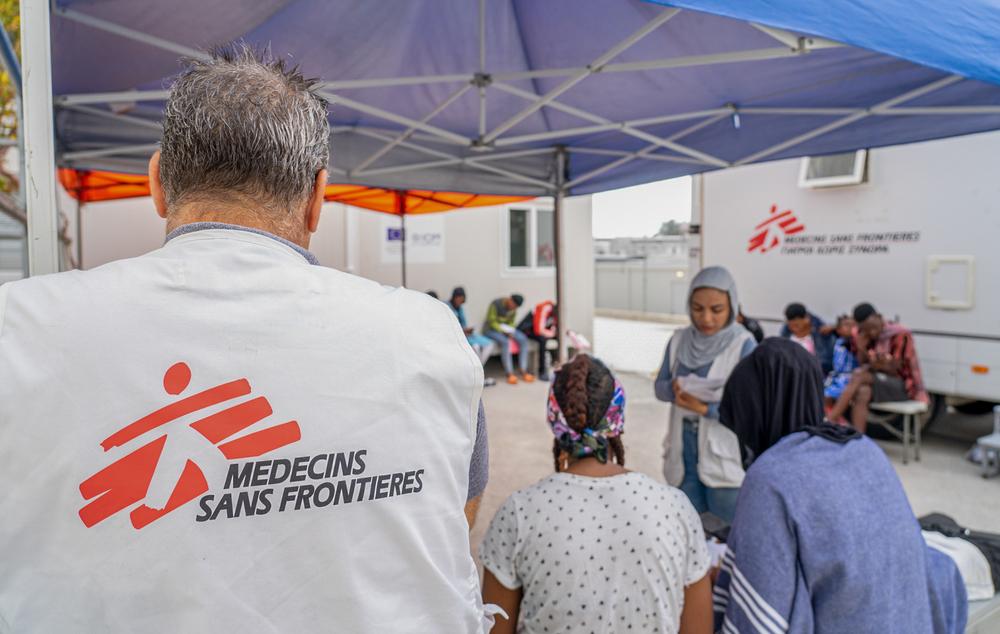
(126, 481)
(767, 234)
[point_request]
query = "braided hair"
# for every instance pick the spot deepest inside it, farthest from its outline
(584, 389)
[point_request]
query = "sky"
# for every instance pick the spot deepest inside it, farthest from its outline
(639, 211)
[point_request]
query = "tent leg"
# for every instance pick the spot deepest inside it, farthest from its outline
(39, 177)
(401, 210)
(79, 234)
(559, 181)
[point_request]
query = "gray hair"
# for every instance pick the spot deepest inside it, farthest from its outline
(242, 124)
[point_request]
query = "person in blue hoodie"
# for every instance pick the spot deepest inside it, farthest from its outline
(823, 539)
(810, 332)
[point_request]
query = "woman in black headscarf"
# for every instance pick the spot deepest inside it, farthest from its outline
(823, 538)
(774, 393)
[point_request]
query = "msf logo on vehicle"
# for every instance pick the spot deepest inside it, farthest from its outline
(125, 483)
(770, 232)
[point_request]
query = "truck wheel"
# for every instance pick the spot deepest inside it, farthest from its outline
(934, 411)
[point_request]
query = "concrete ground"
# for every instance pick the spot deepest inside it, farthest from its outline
(521, 444)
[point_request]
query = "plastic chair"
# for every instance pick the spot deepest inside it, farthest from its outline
(990, 446)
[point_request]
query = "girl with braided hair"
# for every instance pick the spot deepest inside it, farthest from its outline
(595, 547)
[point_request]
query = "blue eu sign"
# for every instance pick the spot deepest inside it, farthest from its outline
(394, 234)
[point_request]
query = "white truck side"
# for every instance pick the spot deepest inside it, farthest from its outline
(919, 239)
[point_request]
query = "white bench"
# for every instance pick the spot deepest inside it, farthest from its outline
(551, 345)
(909, 410)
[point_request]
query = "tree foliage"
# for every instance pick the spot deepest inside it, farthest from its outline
(669, 228)
(11, 17)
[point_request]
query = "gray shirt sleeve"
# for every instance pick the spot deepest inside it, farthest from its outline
(479, 467)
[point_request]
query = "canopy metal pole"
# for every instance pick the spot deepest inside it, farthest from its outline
(79, 234)
(401, 210)
(594, 67)
(39, 140)
(559, 181)
(13, 68)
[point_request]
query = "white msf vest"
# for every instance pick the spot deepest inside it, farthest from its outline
(220, 437)
(719, 462)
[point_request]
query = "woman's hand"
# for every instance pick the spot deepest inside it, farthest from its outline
(688, 402)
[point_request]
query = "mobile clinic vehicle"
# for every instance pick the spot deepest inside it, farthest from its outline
(914, 229)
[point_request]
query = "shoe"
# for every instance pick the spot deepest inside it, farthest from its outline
(511, 379)
(529, 378)
(489, 381)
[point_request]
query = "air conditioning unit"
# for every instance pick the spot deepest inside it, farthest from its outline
(834, 170)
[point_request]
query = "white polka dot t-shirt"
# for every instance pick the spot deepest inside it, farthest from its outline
(597, 555)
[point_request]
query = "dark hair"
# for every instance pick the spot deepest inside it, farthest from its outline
(517, 299)
(457, 292)
(583, 389)
(863, 312)
(795, 311)
(433, 294)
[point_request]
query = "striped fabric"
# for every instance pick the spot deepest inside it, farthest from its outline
(749, 606)
(824, 540)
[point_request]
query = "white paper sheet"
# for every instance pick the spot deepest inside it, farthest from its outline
(705, 390)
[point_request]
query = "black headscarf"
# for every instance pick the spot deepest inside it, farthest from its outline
(775, 391)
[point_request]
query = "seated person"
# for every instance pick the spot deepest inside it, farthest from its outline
(888, 367)
(595, 547)
(845, 362)
(539, 325)
(811, 333)
(751, 324)
(482, 345)
(499, 326)
(823, 539)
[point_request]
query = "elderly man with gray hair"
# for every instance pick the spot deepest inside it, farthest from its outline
(221, 435)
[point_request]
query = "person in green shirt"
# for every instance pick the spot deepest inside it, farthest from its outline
(499, 326)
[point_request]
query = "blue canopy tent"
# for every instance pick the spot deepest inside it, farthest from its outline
(524, 97)
(479, 97)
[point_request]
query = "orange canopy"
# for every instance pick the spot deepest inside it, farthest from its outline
(93, 186)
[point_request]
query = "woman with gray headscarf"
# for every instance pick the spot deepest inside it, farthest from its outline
(702, 457)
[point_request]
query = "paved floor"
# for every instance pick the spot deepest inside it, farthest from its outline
(521, 445)
(631, 346)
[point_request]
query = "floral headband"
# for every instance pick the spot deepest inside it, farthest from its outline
(592, 441)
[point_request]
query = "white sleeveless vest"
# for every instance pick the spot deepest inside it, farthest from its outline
(218, 436)
(719, 462)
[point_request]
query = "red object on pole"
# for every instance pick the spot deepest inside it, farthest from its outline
(401, 212)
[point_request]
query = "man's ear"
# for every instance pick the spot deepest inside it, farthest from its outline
(315, 205)
(155, 187)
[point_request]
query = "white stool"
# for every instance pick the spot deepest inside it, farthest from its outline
(990, 446)
(911, 428)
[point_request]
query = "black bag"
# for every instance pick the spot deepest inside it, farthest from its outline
(527, 325)
(987, 543)
(715, 526)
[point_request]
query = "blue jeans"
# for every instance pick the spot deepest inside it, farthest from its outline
(505, 355)
(722, 501)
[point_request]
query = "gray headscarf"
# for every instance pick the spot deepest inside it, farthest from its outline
(695, 349)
